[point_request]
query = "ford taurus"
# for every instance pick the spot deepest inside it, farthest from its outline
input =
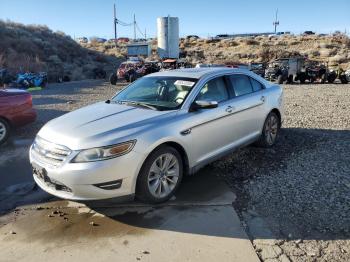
(150, 134)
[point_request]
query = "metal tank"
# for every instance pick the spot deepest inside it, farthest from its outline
(168, 37)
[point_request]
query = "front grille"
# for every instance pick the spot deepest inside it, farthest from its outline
(49, 153)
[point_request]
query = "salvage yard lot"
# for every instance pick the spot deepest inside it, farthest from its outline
(293, 199)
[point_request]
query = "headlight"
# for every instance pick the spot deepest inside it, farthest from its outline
(103, 153)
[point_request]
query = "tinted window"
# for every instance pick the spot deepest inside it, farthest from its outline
(256, 85)
(241, 84)
(214, 90)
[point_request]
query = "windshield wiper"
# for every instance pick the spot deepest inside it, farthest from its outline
(135, 103)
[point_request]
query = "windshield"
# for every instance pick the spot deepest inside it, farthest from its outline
(160, 93)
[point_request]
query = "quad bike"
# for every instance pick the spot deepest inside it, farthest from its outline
(277, 72)
(338, 74)
(315, 71)
(28, 80)
(286, 70)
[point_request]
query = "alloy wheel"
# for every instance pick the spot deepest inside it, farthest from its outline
(271, 129)
(3, 131)
(163, 175)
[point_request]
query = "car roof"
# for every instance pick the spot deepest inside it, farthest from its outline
(198, 72)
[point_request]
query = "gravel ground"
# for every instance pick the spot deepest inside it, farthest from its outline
(293, 199)
(58, 99)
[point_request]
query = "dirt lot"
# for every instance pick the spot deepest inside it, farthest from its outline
(294, 199)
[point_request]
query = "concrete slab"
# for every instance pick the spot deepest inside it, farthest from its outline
(200, 225)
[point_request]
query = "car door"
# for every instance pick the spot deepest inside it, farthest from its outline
(211, 129)
(248, 107)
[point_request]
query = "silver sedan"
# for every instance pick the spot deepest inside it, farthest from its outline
(165, 125)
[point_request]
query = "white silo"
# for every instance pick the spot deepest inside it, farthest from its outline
(168, 37)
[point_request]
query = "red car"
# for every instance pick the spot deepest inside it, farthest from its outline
(16, 109)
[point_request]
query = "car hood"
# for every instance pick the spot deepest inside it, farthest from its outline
(101, 124)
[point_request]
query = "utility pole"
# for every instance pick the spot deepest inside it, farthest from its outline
(276, 22)
(145, 35)
(134, 28)
(115, 24)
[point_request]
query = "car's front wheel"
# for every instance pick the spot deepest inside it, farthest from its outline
(270, 130)
(4, 131)
(160, 175)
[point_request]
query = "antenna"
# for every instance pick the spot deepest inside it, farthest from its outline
(276, 22)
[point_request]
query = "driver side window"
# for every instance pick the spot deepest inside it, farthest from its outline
(214, 90)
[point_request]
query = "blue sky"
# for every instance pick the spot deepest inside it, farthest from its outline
(94, 17)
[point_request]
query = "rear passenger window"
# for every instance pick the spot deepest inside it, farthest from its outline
(241, 84)
(256, 85)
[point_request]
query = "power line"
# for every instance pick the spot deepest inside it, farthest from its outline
(122, 23)
(140, 31)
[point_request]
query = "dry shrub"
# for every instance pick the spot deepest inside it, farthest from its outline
(266, 54)
(37, 48)
(315, 53)
(229, 43)
(294, 43)
(208, 41)
(251, 42)
(340, 58)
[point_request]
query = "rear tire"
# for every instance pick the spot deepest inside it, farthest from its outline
(4, 131)
(343, 79)
(113, 79)
(270, 131)
(132, 78)
(331, 78)
(160, 175)
(280, 79)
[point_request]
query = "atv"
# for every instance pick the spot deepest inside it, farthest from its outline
(338, 74)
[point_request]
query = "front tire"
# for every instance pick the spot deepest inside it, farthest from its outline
(270, 131)
(4, 131)
(160, 176)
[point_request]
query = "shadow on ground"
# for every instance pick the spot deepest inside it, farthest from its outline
(265, 183)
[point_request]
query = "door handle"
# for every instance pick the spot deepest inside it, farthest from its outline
(262, 99)
(229, 109)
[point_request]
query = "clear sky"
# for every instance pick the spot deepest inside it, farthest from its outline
(95, 17)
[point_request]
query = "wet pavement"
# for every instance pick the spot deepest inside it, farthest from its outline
(199, 224)
(14, 163)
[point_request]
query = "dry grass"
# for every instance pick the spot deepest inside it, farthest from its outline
(36, 48)
(332, 49)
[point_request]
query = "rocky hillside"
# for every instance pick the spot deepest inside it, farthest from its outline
(333, 49)
(37, 48)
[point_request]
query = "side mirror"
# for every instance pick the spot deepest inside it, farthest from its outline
(202, 104)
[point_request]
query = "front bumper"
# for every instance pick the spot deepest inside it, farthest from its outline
(78, 181)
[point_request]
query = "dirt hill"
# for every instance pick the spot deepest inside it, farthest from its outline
(37, 48)
(333, 49)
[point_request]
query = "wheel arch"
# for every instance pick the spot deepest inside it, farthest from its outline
(7, 121)
(179, 148)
